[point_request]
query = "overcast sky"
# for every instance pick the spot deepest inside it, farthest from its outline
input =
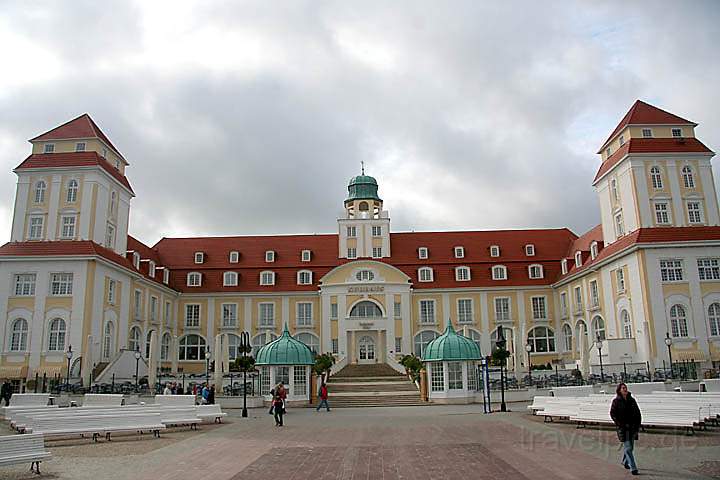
(250, 117)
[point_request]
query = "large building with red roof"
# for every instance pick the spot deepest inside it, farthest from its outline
(72, 277)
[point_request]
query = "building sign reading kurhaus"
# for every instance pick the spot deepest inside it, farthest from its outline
(366, 289)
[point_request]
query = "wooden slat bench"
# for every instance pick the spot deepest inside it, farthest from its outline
(17, 449)
(96, 425)
(175, 400)
(207, 412)
(102, 400)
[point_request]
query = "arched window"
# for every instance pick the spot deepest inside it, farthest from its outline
(233, 345)
(312, 341)
(425, 274)
(18, 337)
(656, 178)
(714, 318)
(535, 271)
(475, 336)
(56, 339)
(580, 330)
(191, 347)
(72, 190)
(687, 175)
(165, 346)
(194, 279)
(366, 309)
(230, 279)
(626, 324)
(567, 337)
(598, 326)
(541, 339)
(134, 339)
(148, 343)
(40, 192)
(499, 272)
(462, 274)
(421, 341)
(108, 340)
(678, 321)
(261, 340)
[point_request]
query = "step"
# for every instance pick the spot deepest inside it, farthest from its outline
(393, 387)
(399, 378)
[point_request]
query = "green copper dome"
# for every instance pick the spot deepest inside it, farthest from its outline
(451, 347)
(363, 187)
(285, 351)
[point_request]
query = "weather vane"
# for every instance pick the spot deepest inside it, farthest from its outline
(362, 167)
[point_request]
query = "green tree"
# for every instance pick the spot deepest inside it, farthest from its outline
(412, 364)
(499, 356)
(323, 363)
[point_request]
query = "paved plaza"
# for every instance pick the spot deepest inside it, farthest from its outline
(438, 442)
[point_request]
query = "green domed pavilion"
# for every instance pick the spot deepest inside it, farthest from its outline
(285, 360)
(451, 347)
(362, 187)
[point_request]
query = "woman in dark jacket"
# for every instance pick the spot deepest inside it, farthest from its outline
(626, 415)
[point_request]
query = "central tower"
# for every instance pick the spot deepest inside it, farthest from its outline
(365, 230)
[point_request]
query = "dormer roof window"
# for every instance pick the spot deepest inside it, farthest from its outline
(593, 250)
(530, 250)
(499, 272)
(422, 253)
(270, 256)
(199, 257)
(306, 255)
(49, 148)
(136, 260)
(151, 269)
(166, 276)
(578, 259)
(459, 252)
(535, 271)
(194, 279)
(564, 266)
(230, 279)
(462, 274)
(494, 251)
(80, 147)
(234, 256)
(425, 274)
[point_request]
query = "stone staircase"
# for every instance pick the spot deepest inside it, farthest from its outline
(375, 385)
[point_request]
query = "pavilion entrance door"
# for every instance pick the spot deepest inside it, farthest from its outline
(366, 349)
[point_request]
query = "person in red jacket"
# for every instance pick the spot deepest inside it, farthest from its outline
(323, 394)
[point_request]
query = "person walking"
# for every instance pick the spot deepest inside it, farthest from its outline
(323, 394)
(278, 409)
(6, 392)
(280, 390)
(167, 390)
(627, 417)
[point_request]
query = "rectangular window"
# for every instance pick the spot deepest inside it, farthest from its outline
(694, 212)
(25, 285)
(352, 253)
(138, 304)
(168, 309)
(502, 309)
(80, 147)
(199, 257)
(270, 256)
(459, 252)
(111, 292)
(397, 309)
(472, 377)
(676, 132)
(264, 380)
(398, 344)
(437, 377)
(422, 253)
(304, 314)
(578, 300)
(333, 310)
(267, 314)
(352, 232)
(110, 236)
(455, 376)
(335, 346)
(530, 250)
(376, 231)
(300, 381)
(494, 251)
(304, 278)
(671, 270)
(462, 274)
(166, 276)
(234, 257)
(619, 225)
(61, 284)
(192, 315)
(538, 308)
(377, 252)
(646, 133)
(267, 278)
(49, 148)
(282, 375)
(229, 315)
(622, 140)
(427, 311)
(661, 213)
(465, 310)
(153, 309)
(305, 256)
(68, 226)
(36, 228)
(709, 268)
(620, 277)
(594, 296)
(563, 305)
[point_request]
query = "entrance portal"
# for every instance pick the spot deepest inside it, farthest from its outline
(366, 349)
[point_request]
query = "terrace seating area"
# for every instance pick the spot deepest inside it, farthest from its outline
(686, 410)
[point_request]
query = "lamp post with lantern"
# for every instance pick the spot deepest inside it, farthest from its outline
(668, 342)
(528, 349)
(69, 355)
(138, 356)
(599, 345)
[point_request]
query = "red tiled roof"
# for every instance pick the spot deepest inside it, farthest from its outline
(651, 145)
(583, 242)
(642, 113)
(80, 127)
(73, 159)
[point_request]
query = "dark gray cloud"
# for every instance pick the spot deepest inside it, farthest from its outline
(243, 118)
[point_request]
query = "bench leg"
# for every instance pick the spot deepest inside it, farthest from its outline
(95, 437)
(107, 436)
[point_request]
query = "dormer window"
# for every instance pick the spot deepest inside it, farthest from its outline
(80, 147)
(535, 271)
(234, 257)
(622, 140)
(462, 274)
(151, 269)
(166, 276)
(608, 152)
(647, 133)
(194, 279)
(677, 133)
(49, 148)
(270, 256)
(563, 266)
(199, 257)
(578, 259)
(422, 253)
(305, 255)
(593, 250)
(136, 260)
(494, 251)
(304, 277)
(459, 252)
(499, 272)
(530, 250)
(230, 279)
(425, 274)
(267, 278)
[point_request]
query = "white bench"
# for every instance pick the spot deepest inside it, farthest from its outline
(102, 399)
(207, 412)
(9, 413)
(538, 403)
(29, 399)
(15, 449)
(573, 391)
(710, 385)
(96, 425)
(175, 400)
(563, 407)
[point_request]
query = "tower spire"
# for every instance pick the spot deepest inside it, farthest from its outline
(362, 167)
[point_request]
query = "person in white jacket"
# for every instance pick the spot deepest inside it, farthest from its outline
(167, 390)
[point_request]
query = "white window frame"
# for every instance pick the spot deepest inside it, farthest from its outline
(564, 266)
(563, 305)
(499, 272)
(61, 284)
(80, 146)
(234, 256)
(153, 308)
(303, 319)
(465, 316)
(72, 191)
(36, 230)
(619, 225)
(397, 309)
(230, 279)
(304, 281)
(462, 274)
(540, 271)
(502, 314)
(267, 278)
(427, 316)
(334, 311)
(166, 275)
(24, 284)
(67, 226)
(620, 280)
(459, 252)
(377, 252)
(137, 304)
(352, 231)
(230, 320)
(688, 176)
(425, 274)
(49, 148)
(151, 268)
(594, 294)
(647, 133)
(264, 320)
(538, 306)
(529, 250)
(698, 211)
(111, 291)
(136, 260)
(673, 131)
(423, 253)
(199, 258)
(269, 256)
(672, 270)
(578, 259)
(578, 299)
(593, 250)
(494, 251)
(662, 213)
(656, 177)
(352, 253)
(110, 235)
(614, 190)
(377, 230)
(305, 256)
(193, 321)
(191, 276)
(708, 269)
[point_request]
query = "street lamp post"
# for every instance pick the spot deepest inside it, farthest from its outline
(598, 344)
(245, 347)
(69, 355)
(207, 367)
(528, 349)
(668, 342)
(501, 342)
(138, 355)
